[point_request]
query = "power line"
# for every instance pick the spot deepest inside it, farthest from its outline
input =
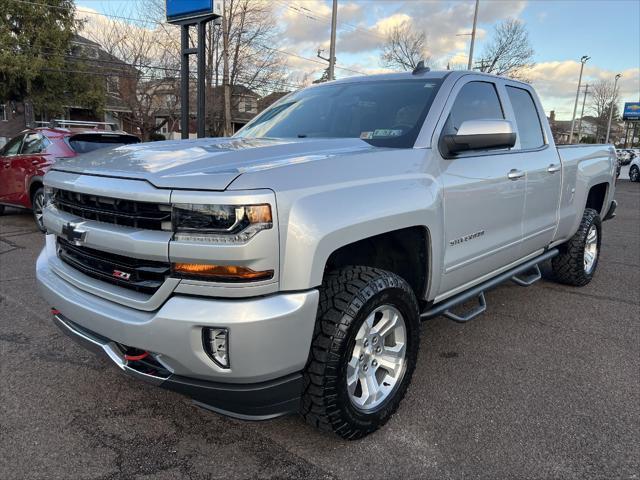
(284, 52)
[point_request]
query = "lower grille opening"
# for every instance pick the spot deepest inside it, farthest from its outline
(144, 276)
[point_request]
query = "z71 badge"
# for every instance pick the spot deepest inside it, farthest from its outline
(466, 238)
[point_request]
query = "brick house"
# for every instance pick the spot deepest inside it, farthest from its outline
(15, 116)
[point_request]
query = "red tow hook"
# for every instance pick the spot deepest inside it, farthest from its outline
(55, 311)
(135, 358)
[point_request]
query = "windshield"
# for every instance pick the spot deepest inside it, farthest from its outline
(387, 113)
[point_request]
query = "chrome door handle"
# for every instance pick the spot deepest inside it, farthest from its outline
(515, 174)
(35, 162)
(553, 168)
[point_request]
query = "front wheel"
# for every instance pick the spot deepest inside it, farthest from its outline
(578, 258)
(37, 206)
(634, 174)
(364, 351)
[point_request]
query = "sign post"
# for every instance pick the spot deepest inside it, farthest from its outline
(187, 13)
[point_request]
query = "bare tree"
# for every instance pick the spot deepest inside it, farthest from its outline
(603, 97)
(509, 51)
(149, 90)
(404, 47)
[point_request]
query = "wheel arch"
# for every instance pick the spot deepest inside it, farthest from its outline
(34, 184)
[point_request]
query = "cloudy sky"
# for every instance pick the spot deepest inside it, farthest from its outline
(561, 31)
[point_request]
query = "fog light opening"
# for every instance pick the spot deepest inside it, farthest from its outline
(216, 344)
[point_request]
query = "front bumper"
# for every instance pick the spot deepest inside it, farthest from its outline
(269, 341)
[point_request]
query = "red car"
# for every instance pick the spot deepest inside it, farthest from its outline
(26, 158)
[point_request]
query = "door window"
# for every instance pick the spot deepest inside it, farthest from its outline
(475, 101)
(527, 118)
(13, 147)
(32, 144)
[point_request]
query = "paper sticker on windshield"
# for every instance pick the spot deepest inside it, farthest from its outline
(366, 135)
(386, 133)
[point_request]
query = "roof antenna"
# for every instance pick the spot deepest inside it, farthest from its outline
(420, 68)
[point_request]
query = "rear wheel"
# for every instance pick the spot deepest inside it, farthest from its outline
(363, 353)
(37, 206)
(578, 258)
(634, 174)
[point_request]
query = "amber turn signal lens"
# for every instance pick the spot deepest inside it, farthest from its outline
(221, 272)
(258, 213)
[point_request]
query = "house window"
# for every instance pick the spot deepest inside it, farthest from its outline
(3, 112)
(113, 85)
(252, 105)
(241, 104)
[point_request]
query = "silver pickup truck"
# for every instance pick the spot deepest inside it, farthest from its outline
(287, 268)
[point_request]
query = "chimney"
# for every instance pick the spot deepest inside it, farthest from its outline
(552, 116)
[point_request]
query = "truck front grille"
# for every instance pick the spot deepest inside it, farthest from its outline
(130, 213)
(144, 276)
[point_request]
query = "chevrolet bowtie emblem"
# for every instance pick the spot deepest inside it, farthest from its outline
(72, 234)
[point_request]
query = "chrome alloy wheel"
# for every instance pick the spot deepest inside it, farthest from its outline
(38, 208)
(377, 364)
(591, 249)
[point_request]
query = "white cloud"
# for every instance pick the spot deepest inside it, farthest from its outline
(557, 82)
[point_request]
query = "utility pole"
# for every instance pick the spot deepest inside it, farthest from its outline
(583, 60)
(226, 129)
(615, 89)
(332, 47)
(584, 100)
(473, 35)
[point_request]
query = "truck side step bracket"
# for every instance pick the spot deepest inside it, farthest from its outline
(531, 277)
(530, 268)
(470, 314)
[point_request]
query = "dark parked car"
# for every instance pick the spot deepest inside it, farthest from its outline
(26, 158)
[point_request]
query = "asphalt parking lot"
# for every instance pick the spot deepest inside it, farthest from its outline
(545, 385)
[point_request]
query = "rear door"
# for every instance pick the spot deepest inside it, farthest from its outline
(483, 207)
(542, 167)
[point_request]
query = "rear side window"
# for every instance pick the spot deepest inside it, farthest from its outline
(85, 143)
(33, 143)
(527, 118)
(475, 101)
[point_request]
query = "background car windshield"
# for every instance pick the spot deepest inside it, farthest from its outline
(385, 113)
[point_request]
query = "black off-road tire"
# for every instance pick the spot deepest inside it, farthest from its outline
(568, 267)
(634, 174)
(347, 297)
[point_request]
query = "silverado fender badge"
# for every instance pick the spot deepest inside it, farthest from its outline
(121, 275)
(466, 238)
(72, 234)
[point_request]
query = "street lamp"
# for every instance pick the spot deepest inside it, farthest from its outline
(583, 60)
(613, 99)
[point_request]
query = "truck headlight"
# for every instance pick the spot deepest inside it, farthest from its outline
(219, 223)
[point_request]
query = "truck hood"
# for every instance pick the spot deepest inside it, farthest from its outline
(205, 164)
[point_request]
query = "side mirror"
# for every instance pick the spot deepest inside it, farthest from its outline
(480, 135)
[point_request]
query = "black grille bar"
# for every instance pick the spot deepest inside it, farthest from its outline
(117, 211)
(144, 276)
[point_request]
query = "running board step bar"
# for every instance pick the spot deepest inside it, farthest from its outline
(533, 276)
(515, 274)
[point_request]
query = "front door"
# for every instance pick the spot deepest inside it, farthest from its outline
(483, 203)
(9, 152)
